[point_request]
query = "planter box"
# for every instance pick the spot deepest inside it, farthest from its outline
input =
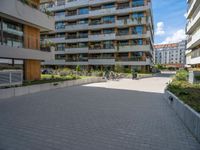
(18, 91)
(189, 116)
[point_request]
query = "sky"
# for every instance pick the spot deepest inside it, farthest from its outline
(169, 20)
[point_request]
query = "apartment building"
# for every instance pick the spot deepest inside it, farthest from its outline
(193, 31)
(172, 55)
(21, 22)
(99, 34)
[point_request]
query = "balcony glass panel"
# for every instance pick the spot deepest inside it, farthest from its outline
(60, 25)
(109, 19)
(83, 11)
(111, 5)
(137, 30)
(137, 3)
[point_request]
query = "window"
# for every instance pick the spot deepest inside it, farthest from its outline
(138, 15)
(137, 30)
(108, 31)
(137, 42)
(108, 44)
(60, 25)
(83, 21)
(13, 34)
(83, 45)
(83, 11)
(137, 3)
(111, 5)
(109, 19)
(123, 31)
(60, 47)
(59, 14)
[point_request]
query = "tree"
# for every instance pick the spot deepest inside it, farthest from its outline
(118, 68)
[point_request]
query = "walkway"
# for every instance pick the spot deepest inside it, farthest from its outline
(117, 115)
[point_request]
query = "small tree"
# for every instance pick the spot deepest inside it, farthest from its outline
(78, 68)
(118, 68)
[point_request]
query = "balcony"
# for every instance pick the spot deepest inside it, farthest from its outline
(95, 2)
(78, 61)
(76, 50)
(191, 7)
(137, 8)
(102, 12)
(7, 29)
(101, 61)
(75, 17)
(130, 22)
(101, 25)
(70, 4)
(104, 49)
(193, 40)
(133, 36)
(135, 61)
(57, 40)
(102, 37)
(194, 21)
(76, 27)
(24, 53)
(75, 39)
(26, 14)
(134, 48)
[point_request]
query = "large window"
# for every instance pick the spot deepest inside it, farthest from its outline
(111, 5)
(83, 21)
(12, 34)
(137, 30)
(83, 11)
(137, 3)
(138, 15)
(137, 42)
(108, 31)
(108, 44)
(60, 25)
(60, 13)
(60, 47)
(195, 53)
(109, 19)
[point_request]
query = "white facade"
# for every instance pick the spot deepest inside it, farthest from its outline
(193, 31)
(166, 54)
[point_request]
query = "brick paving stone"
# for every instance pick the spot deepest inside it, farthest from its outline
(117, 115)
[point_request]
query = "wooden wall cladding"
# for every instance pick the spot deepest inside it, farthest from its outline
(31, 37)
(32, 70)
(32, 42)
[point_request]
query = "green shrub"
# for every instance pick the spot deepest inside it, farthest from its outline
(181, 75)
(119, 68)
(197, 78)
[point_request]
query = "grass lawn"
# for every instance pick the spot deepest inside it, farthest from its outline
(188, 93)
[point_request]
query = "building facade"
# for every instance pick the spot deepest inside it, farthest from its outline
(171, 54)
(193, 32)
(102, 33)
(21, 23)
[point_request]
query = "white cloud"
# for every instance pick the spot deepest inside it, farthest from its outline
(160, 28)
(185, 15)
(177, 36)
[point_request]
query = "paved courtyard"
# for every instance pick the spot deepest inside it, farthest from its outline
(117, 115)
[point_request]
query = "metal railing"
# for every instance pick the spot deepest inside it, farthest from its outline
(11, 77)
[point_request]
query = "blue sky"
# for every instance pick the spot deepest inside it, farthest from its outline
(169, 20)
